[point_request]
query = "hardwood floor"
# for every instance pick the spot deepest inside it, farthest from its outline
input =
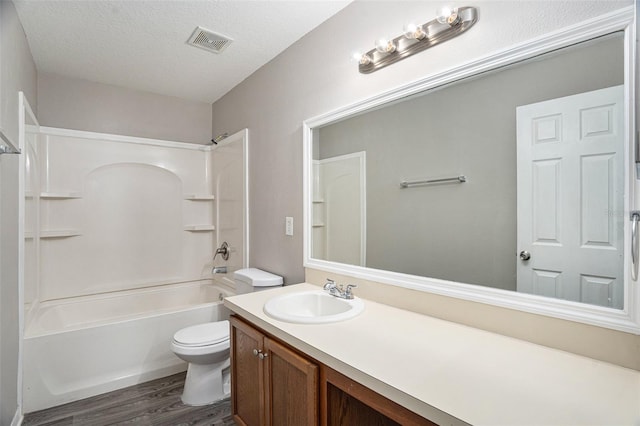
(155, 403)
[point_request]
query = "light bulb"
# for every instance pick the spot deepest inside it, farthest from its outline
(448, 15)
(385, 45)
(361, 58)
(413, 31)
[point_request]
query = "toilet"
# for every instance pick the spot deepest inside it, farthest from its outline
(206, 346)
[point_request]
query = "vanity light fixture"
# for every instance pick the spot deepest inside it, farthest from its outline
(448, 15)
(413, 31)
(362, 58)
(449, 23)
(385, 45)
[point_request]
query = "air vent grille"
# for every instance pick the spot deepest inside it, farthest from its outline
(209, 40)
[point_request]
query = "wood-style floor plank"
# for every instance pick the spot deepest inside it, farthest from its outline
(104, 400)
(155, 403)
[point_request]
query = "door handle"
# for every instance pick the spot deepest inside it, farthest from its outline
(525, 255)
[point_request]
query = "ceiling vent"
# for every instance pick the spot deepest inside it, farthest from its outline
(209, 40)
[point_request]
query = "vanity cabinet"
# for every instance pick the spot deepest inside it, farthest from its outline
(346, 402)
(270, 383)
(273, 384)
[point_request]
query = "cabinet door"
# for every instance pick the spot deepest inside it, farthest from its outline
(292, 387)
(247, 381)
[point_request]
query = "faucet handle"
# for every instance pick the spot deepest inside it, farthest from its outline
(329, 284)
(224, 250)
(348, 293)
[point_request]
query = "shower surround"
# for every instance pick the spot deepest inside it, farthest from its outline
(119, 241)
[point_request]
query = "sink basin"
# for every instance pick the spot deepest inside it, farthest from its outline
(312, 307)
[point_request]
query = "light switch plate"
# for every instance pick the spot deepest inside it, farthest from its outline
(288, 228)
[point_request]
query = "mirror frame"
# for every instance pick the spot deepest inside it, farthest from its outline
(626, 319)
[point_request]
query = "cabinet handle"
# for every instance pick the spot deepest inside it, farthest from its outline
(260, 354)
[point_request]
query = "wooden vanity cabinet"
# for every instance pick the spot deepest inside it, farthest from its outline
(271, 384)
(346, 402)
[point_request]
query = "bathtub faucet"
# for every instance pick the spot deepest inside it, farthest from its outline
(219, 270)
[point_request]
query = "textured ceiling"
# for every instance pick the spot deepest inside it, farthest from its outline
(142, 44)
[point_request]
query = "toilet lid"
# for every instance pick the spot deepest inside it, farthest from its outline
(203, 334)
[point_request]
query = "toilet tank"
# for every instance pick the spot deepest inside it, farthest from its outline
(252, 279)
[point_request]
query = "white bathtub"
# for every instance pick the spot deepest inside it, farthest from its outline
(81, 347)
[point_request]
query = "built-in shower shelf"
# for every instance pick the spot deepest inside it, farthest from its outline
(200, 197)
(318, 201)
(59, 233)
(60, 195)
(318, 225)
(200, 228)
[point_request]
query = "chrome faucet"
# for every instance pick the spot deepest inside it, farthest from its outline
(329, 285)
(338, 291)
(219, 270)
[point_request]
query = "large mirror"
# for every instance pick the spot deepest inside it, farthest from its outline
(516, 178)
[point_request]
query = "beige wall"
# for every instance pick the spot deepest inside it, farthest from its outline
(72, 103)
(17, 73)
(315, 76)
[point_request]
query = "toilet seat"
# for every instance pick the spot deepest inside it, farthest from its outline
(211, 333)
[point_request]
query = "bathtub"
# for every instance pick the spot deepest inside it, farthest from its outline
(85, 346)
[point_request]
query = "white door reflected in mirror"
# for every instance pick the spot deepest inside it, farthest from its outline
(570, 197)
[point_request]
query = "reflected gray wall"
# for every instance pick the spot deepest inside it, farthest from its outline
(461, 232)
(17, 73)
(315, 76)
(73, 103)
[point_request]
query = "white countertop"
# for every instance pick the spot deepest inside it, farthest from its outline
(451, 374)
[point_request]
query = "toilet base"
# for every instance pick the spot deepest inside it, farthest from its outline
(206, 383)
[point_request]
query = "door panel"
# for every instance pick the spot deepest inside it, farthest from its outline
(292, 399)
(598, 176)
(546, 179)
(247, 386)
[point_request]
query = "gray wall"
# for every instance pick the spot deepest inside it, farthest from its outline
(464, 233)
(72, 103)
(315, 76)
(17, 73)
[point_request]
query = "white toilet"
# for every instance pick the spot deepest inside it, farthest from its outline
(206, 346)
